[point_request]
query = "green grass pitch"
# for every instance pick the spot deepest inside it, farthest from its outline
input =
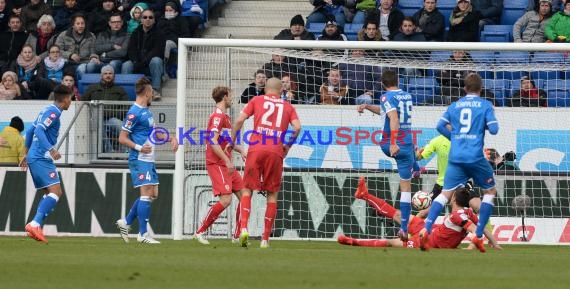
(83, 263)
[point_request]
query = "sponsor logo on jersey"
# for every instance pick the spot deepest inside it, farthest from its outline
(227, 187)
(52, 175)
(47, 121)
(131, 116)
(140, 177)
(217, 121)
(128, 124)
(383, 99)
(52, 115)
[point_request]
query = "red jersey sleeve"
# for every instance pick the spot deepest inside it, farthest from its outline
(461, 218)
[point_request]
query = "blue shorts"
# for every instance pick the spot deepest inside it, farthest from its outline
(143, 173)
(44, 173)
(457, 174)
(405, 160)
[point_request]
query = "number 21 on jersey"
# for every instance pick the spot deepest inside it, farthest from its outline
(269, 110)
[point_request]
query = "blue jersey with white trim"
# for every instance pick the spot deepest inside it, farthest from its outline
(469, 117)
(48, 120)
(139, 123)
(400, 101)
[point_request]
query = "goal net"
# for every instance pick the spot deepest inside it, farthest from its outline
(338, 144)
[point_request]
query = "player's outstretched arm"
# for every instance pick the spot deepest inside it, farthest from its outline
(373, 108)
(492, 242)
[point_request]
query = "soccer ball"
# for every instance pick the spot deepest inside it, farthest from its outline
(421, 200)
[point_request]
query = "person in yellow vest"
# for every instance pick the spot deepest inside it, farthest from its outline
(12, 142)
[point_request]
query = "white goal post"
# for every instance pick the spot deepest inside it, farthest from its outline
(326, 170)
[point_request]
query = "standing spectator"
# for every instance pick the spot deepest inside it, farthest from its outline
(528, 95)
(296, 32)
(32, 12)
(408, 31)
(62, 16)
(146, 52)
(464, 23)
(452, 80)
(43, 36)
(558, 28)
(332, 91)
(4, 15)
(111, 44)
(136, 13)
(10, 88)
(489, 11)
(430, 21)
(363, 7)
(52, 67)
(78, 46)
(531, 26)
(12, 149)
(327, 7)
(257, 87)
(173, 26)
(26, 67)
(97, 20)
(390, 19)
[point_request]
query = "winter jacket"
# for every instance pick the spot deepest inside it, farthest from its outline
(530, 28)
(489, 9)
(84, 46)
(175, 28)
(33, 41)
(144, 45)
(32, 13)
(286, 34)
(434, 27)
(105, 42)
(466, 31)
(559, 25)
(62, 17)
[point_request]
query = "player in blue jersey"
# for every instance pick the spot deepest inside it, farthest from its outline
(139, 134)
(397, 104)
(464, 123)
(41, 139)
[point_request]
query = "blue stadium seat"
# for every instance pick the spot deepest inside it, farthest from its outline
(515, 4)
(499, 87)
(557, 98)
(446, 7)
(316, 28)
(351, 30)
(127, 81)
(485, 58)
(422, 89)
(510, 16)
(411, 4)
(439, 56)
(542, 59)
(409, 11)
(497, 33)
(512, 57)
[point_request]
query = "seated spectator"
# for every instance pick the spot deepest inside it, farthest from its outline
(10, 88)
(370, 31)
(97, 20)
(408, 31)
(26, 67)
(390, 19)
(136, 13)
(489, 11)
(289, 90)
(363, 80)
(32, 12)
(4, 15)
(43, 37)
(112, 117)
(52, 67)
(430, 21)
(558, 28)
(327, 7)
(12, 41)
(533, 5)
(69, 81)
(111, 45)
(12, 148)
(359, 12)
(528, 95)
(333, 92)
(530, 27)
(173, 26)
(464, 23)
(146, 52)
(257, 87)
(332, 32)
(451, 80)
(62, 16)
(296, 32)
(78, 47)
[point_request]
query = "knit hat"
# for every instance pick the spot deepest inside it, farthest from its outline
(330, 20)
(464, 0)
(297, 20)
(172, 5)
(17, 123)
(107, 68)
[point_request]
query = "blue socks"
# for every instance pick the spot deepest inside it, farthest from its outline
(484, 214)
(405, 209)
(434, 211)
(46, 206)
(130, 218)
(143, 211)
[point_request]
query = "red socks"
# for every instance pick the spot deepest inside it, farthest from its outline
(212, 215)
(383, 208)
(237, 230)
(270, 213)
(245, 209)
(370, 242)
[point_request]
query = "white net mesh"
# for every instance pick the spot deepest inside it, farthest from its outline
(317, 196)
